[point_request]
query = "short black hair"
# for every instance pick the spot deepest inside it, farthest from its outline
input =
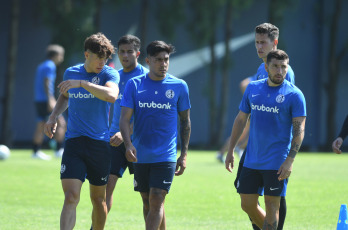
(267, 28)
(130, 39)
(277, 54)
(156, 47)
(54, 50)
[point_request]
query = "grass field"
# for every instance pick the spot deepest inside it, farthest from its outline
(203, 198)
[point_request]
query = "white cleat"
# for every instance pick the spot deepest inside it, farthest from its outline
(59, 153)
(42, 156)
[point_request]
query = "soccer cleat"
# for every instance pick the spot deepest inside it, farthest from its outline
(40, 155)
(59, 153)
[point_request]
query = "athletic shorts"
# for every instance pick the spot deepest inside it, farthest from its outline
(42, 112)
(119, 161)
(153, 175)
(251, 180)
(84, 157)
(240, 167)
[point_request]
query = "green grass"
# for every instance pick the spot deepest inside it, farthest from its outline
(203, 198)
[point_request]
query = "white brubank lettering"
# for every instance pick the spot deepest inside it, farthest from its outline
(154, 105)
(274, 109)
(81, 95)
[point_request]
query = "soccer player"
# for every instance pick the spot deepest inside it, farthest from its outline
(277, 112)
(128, 53)
(88, 90)
(45, 101)
(156, 99)
(266, 40)
(336, 144)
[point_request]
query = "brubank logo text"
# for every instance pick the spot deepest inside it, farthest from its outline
(264, 108)
(154, 105)
(81, 95)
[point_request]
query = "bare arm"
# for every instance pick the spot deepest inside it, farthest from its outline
(51, 101)
(126, 131)
(185, 132)
(108, 92)
(298, 132)
(237, 130)
(60, 107)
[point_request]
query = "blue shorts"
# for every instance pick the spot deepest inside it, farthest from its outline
(153, 175)
(84, 157)
(252, 180)
(42, 112)
(119, 161)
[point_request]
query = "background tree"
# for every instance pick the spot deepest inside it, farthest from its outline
(6, 134)
(336, 53)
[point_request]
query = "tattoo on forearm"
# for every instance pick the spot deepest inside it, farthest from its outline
(292, 153)
(297, 130)
(268, 226)
(185, 130)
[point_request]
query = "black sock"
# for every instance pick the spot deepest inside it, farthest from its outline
(255, 227)
(35, 148)
(282, 213)
(59, 145)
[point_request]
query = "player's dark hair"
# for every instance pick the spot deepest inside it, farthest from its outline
(100, 45)
(267, 28)
(277, 54)
(156, 47)
(130, 39)
(54, 50)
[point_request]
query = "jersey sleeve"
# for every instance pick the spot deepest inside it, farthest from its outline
(290, 75)
(128, 99)
(50, 72)
(184, 99)
(245, 103)
(113, 76)
(298, 108)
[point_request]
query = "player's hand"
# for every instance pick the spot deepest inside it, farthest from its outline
(336, 145)
(285, 169)
(64, 86)
(116, 139)
(131, 154)
(180, 165)
(229, 161)
(50, 128)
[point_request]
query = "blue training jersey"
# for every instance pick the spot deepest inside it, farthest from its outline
(272, 110)
(88, 115)
(262, 74)
(124, 77)
(156, 105)
(46, 69)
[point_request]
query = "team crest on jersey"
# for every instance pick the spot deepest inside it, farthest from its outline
(280, 98)
(62, 168)
(170, 93)
(96, 80)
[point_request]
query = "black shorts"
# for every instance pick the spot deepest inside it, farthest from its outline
(119, 161)
(153, 175)
(85, 157)
(251, 181)
(42, 112)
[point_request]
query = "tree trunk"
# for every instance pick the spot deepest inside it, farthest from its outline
(225, 76)
(143, 28)
(333, 75)
(10, 74)
(212, 94)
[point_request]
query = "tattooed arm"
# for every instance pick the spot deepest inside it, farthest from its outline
(298, 129)
(185, 132)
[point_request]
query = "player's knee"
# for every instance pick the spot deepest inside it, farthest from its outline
(98, 200)
(71, 198)
(247, 206)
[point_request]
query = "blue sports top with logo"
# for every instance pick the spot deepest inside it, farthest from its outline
(156, 105)
(262, 74)
(271, 111)
(88, 115)
(47, 69)
(124, 77)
